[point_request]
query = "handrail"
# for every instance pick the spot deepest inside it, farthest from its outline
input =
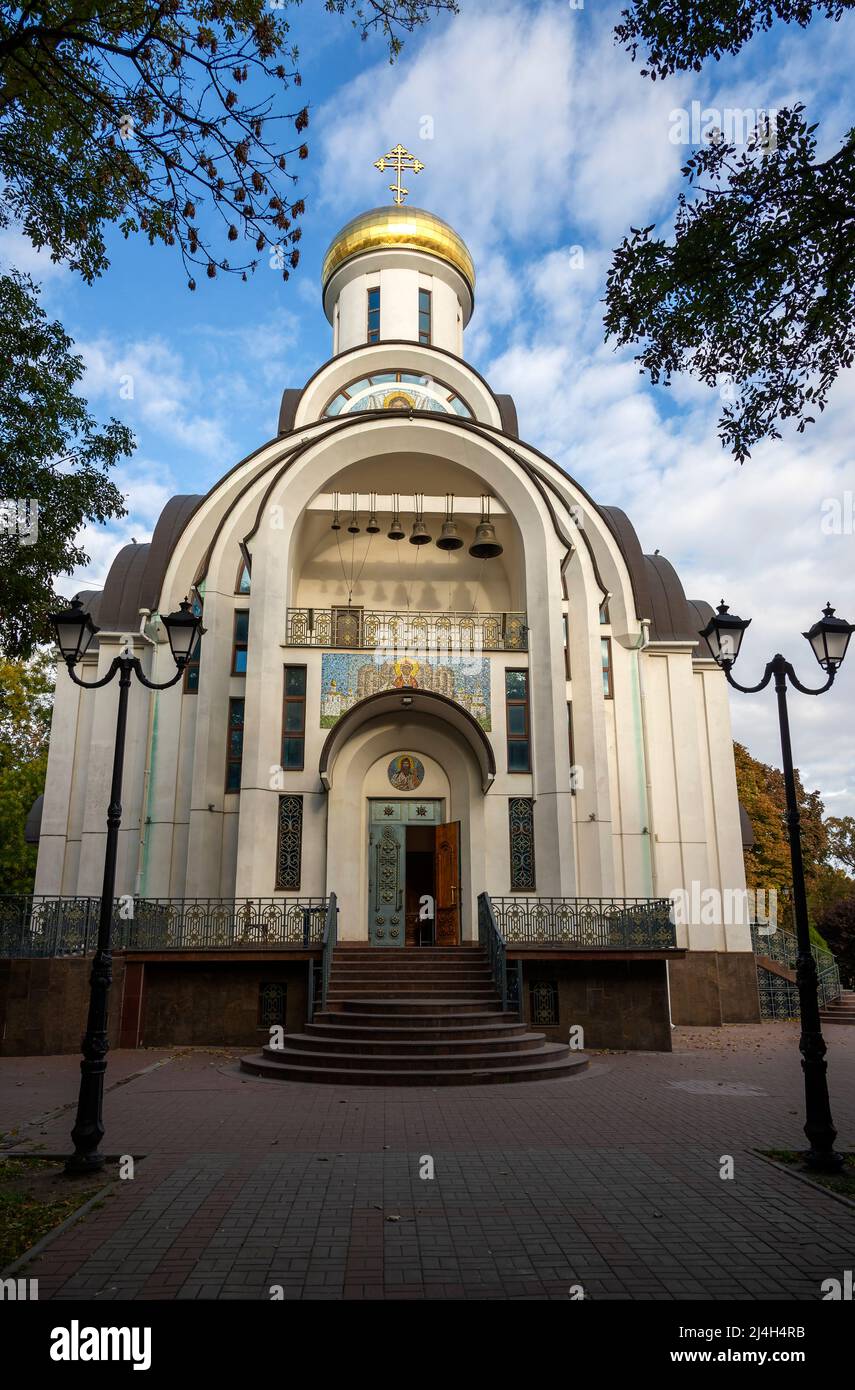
(329, 942)
(494, 943)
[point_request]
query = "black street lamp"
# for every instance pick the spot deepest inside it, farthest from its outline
(829, 638)
(74, 633)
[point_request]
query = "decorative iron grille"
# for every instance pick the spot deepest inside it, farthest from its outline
(441, 633)
(289, 842)
(779, 998)
(782, 946)
(521, 825)
(607, 923)
(543, 1002)
(272, 1002)
(37, 926)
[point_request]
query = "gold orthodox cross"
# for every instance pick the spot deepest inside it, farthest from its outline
(399, 159)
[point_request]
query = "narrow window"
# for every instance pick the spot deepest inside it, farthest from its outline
(241, 637)
(424, 316)
(234, 746)
(294, 718)
(517, 719)
(521, 827)
(606, 649)
(242, 586)
(573, 770)
(604, 612)
(289, 842)
(374, 316)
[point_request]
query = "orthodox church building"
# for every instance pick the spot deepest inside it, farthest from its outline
(436, 677)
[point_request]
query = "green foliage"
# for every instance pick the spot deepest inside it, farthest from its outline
(152, 114)
(26, 690)
(756, 293)
(681, 34)
(51, 450)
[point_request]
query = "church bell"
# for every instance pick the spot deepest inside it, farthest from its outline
(485, 545)
(449, 539)
(396, 531)
(420, 534)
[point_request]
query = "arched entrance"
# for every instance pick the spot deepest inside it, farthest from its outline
(396, 832)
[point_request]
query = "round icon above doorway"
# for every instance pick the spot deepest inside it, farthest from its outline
(406, 772)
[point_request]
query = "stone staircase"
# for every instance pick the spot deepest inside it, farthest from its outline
(840, 1010)
(413, 1016)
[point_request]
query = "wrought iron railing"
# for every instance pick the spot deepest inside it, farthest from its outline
(490, 937)
(31, 925)
(329, 942)
(779, 998)
(446, 634)
(607, 923)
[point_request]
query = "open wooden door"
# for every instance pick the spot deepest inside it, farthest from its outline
(447, 843)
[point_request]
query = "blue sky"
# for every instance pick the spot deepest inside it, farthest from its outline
(544, 139)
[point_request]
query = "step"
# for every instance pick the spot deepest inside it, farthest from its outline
(452, 1018)
(345, 1029)
(543, 1067)
(441, 1046)
(429, 977)
(404, 987)
(412, 1005)
(404, 1061)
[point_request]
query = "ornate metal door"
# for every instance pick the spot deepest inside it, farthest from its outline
(386, 884)
(447, 842)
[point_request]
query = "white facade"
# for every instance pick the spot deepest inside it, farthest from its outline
(649, 805)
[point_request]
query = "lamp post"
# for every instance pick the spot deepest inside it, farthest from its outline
(74, 633)
(829, 638)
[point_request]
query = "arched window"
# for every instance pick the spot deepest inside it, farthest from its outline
(242, 583)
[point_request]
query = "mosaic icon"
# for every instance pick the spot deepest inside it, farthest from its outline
(406, 772)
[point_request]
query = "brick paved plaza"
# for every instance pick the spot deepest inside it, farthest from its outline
(608, 1179)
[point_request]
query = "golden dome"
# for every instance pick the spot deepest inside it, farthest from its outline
(410, 228)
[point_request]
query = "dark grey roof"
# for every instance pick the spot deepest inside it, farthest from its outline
(746, 828)
(700, 612)
(671, 620)
(33, 823)
(137, 573)
(508, 415)
(288, 409)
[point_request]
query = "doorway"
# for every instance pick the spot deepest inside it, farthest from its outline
(413, 874)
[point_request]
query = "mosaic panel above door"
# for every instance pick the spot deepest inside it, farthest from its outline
(349, 677)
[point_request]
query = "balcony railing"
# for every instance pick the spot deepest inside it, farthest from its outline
(360, 629)
(620, 924)
(41, 926)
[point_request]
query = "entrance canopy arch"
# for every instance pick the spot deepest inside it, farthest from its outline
(409, 702)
